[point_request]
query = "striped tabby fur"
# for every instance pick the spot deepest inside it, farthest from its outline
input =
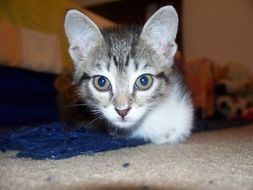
(129, 59)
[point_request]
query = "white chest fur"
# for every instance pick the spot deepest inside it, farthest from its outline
(170, 122)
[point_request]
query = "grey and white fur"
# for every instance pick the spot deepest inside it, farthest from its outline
(128, 75)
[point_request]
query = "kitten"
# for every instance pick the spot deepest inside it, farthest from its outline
(128, 76)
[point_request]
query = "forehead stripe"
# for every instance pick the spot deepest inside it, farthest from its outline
(115, 61)
(127, 60)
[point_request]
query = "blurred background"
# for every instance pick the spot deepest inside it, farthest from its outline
(215, 53)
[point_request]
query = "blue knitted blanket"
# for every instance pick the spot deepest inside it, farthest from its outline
(52, 141)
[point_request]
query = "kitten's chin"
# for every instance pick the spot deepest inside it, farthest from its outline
(124, 124)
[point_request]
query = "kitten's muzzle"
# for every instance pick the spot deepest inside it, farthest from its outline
(122, 112)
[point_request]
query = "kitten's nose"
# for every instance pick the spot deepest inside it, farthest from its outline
(122, 112)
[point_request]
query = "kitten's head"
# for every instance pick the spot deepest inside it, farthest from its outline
(123, 73)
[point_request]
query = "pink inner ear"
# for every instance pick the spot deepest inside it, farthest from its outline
(77, 52)
(75, 48)
(168, 50)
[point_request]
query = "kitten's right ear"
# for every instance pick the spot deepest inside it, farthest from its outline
(82, 33)
(160, 31)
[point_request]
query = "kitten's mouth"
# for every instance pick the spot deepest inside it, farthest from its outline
(123, 121)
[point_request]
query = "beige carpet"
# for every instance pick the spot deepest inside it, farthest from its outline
(221, 159)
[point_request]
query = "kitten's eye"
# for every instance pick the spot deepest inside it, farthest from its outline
(101, 83)
(144, 82)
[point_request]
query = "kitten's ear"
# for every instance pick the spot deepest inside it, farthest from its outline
(160, 31)
(82, 34)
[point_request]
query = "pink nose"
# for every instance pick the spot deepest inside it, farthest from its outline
(123, 112)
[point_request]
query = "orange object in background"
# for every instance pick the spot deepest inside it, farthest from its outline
(200, 78)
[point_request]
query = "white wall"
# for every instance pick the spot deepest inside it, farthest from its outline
(219, 29)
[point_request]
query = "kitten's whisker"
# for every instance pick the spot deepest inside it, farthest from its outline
(95, 112)
(92, 121)
(75, 105)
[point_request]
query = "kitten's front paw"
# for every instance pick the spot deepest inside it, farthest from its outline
(170, 139)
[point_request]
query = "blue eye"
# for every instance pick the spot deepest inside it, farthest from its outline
(101, 83)
(144, 82)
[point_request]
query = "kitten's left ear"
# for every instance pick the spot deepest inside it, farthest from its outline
(82, 33)
(160, 31)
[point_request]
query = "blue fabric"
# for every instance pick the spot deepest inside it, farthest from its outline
(52, 141)
(26, 97)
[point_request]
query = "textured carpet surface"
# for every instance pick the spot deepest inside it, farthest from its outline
(221, 159)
